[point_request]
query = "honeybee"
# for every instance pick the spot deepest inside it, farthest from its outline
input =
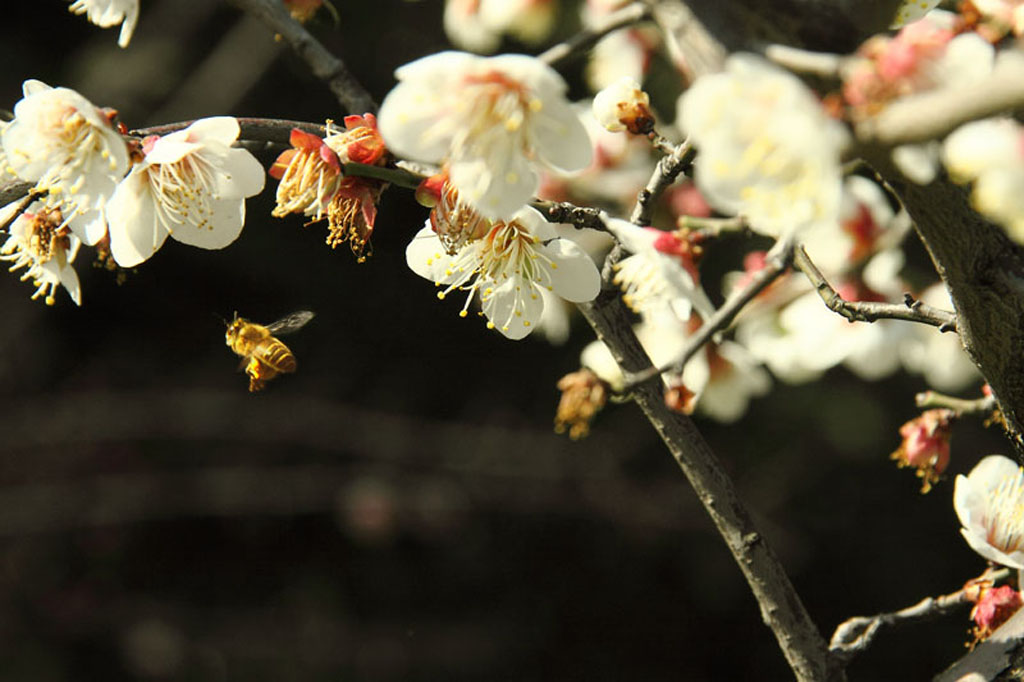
(263, 354)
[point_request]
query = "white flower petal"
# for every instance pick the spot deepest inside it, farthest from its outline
(573, 274)
(136, 232)
(514, 308)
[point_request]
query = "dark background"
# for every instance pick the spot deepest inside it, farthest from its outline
(399, 508)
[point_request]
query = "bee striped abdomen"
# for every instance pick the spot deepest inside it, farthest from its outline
(278, 356)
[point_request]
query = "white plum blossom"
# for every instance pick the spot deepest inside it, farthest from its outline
(659, 276)
(508, 268)
(68, 147)
(107, 13)
(766, 148)
(478, 25)
(494, 120)
(990, 504)
(191, 185)
(991, 154)
(40, 242)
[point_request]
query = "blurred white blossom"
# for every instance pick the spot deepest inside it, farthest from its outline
(990, 153)
(495, 120)
(478, 25)
(107, 13)
(766, 148)
(68, 147)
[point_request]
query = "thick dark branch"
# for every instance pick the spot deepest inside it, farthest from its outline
(856, 634)
(349, 92)
(984, 271)
(778, 259)
(910, 310)
(935, 113)
(627, 16)
(781, 607)
(666, 172)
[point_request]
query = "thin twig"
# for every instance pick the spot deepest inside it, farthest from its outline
(256, 129)
(627, 16)
(910, 310)
(776, 263)
(712, 227)
(277, 131)
(665, 173)
(985, 405)
(856, 634)
(20, 208)
(13, 190)
(821, 64)
(324, 65)
(563, 212)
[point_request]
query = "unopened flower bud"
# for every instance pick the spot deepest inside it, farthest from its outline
(925, 445)
(993, 607)
(679, 398)
(624, 106)
(583, 396)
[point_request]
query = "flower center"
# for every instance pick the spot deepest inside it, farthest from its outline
(507, 253)
(307, 185)
(183, 190)
(1005, 519)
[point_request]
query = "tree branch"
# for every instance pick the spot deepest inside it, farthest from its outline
(856, 634)
(870, 311)
(985, 405)
(984, 271)
(352, 96)
(564, 212)
(933, 114)
(781, 608)
(776, 262)
(665, 173)
(627, 16)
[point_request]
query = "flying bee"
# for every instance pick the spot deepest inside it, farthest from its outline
(263, 354)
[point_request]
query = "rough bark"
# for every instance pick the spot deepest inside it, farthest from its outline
(984, 270)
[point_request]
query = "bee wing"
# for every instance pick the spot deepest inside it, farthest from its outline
(290, 323)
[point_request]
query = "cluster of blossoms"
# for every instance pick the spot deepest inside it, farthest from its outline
(96, 188)
(924, 55)
(313, 182)
(507, 264)
(493, 123)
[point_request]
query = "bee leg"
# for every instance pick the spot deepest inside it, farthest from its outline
(256, 381)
